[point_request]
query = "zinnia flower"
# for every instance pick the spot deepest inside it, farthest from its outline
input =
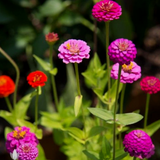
(27, 151)
(122, 51)
(106, 10)
(129, 73)
(138, 144)
(73, 51)
(150, 84)
(36, 78)
(51, 38)
(7, 86)
(19, 136)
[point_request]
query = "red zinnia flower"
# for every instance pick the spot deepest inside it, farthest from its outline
(51, 38)
(36, 79)
(7, 86)
(150, 84)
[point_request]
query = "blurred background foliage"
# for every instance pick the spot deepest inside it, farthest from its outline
(24, 23)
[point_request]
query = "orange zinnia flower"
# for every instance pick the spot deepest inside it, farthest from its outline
(51, 38)
(7, 86)
(36, 78)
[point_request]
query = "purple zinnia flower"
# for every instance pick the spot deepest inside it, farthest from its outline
(122, 51)
(106, 10)
(129, 73)
(138, 144)
(27, 151)
(150, 84)
(19, 136)
(73, 51)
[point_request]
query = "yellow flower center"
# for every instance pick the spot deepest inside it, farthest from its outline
(37, 78)
(73, 48)
(19, 134)
(151, 82)
(106, 6)
(123, 46)
(2, 81)
(127, 68)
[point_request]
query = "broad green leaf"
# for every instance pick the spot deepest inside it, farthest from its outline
(53, 116)
(152, 128)
(41, 154)
(91, 155)
(90, 77)
(6, 131)
(53, 71)
(101, 113)
(77, 104)
(96, 62)
(45, 65)
(58, 136)
(128, 118)
(120, 154)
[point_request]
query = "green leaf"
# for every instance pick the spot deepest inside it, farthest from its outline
(152, 128)
(41, 154)
(58, 136)
(120, 154)
(45, 65)
(91, 155)
(128, 118)
(77, 104)
(90, 77)
(53, 71)
(6, 131)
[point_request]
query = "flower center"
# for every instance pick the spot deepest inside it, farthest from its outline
(37, 78)
(151, 82)
(2, 81)
(19, 134)
(73, 48)
(127, 68)
(26, 148)
(106, 6)
(123, 46)
(139, 135)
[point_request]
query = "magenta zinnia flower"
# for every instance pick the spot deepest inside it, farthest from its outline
(106, 10)
(150, 84)
(19, 136)
(129, 73)
(138, 144)
(73, 51)
(27, 151)
(122, 51)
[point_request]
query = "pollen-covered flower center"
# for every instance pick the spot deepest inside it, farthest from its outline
(151, 82)
(37, 78)
(123, 46)
(106, 6)
(73, 48)
(19, 134)
(127, 68)
(26, 148)
(2, 81)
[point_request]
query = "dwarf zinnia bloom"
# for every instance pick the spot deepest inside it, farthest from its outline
(27, 151)
(106, 10)
(19, 136)
(36, 78)
(73, 51)
(51, 38)
(122, 51)
(129, 73)
(7, 86)
(150, 84)
(138, 144)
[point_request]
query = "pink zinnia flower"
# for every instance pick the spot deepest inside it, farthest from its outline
(129, 73)
(150, 84)
(138, 144)
(27, 151)
(106, 10)
(73, 51)
(122, 51)
(19, 136)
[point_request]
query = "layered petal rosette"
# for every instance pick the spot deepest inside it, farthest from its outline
(129, 73)
(122, 51)
(51, 38)
(106, 10)
(73, 51)
(150, 84)
(138, 144)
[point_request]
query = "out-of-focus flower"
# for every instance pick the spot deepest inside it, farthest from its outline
(27, 151)
(19, 136)
(106, 10)
(51, 38)
(73, 51)
(129, 73)
(36, 78)
(150, 84)
(122, 51)
(7, 86)
(14, 155)
(138, 144)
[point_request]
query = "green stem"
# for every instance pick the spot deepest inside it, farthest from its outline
(36, 107)
(134, 158)
(17, 74)
(53, 78)
(8, 104)
(77, 78)
(114, 114)
(146, 110)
